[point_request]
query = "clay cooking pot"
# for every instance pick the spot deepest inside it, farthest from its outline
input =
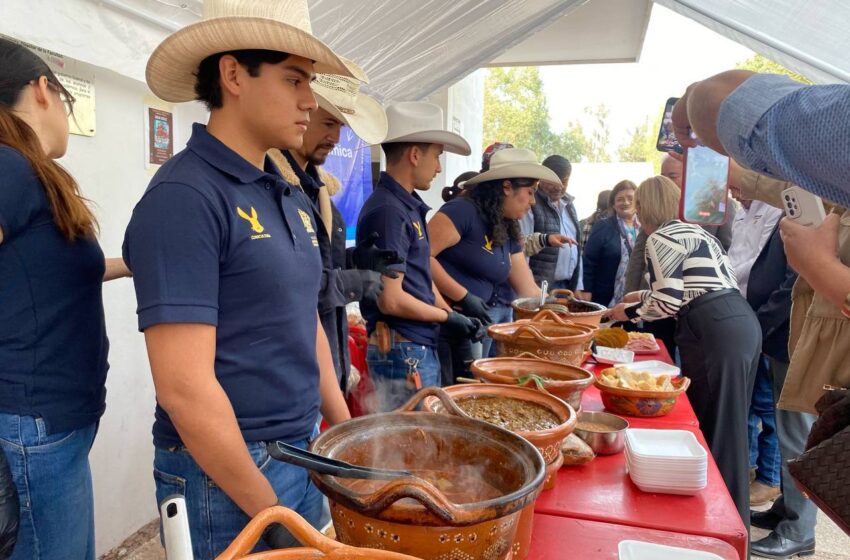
(564, 304)
(547, 336)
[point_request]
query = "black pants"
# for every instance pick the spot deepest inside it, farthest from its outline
(455, 356)
(719, 342)
(665, 330)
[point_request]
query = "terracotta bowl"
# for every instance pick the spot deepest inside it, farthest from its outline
(414, 516)
(547, 336)
(566, 382)
(631, 402)
(564, 304)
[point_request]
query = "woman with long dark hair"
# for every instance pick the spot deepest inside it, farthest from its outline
(476, 243)
(53, 342)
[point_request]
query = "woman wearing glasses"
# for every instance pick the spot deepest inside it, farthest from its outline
(476, 243)
(53, 343)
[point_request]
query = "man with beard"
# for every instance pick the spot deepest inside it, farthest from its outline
(403, 327)
(340, 104)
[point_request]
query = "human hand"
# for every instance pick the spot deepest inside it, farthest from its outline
(582, 295)
(474, 306)
(459, 325)
(365, 256)
(616, 313)
(680, 121)
(809, 248)
(558, 240)
(631, 297)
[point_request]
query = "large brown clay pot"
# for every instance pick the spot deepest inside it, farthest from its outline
(566, 382)
(319, 545)
(564, 304)
(547, 336)
(547, 441)
(491, 474)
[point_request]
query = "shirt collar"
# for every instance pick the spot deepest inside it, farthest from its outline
(309, 177)
(214, 152)
(411, 200)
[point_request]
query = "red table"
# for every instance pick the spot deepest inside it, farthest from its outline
(555, 538)
(602, 491)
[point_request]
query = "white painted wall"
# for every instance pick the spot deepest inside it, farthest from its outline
(111, 172)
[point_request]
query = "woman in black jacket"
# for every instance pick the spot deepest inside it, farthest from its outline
(607, 250)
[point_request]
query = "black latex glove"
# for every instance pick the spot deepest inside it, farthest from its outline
(474, 306)
(365, 256)
(461, 326)
(360, 285)
(276, 536)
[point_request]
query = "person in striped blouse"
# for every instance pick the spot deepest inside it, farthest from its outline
(718, 334)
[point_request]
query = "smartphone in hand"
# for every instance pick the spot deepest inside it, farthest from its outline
(666, 137)
(705, 187)
(803, 207)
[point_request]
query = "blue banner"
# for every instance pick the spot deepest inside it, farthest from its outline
(351, 163)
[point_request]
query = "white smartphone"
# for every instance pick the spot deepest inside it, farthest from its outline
(175, 528)
(803, 207)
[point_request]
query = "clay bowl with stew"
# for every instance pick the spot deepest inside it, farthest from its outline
(604, 433)
(566, 382)
(547, 336)
(472, 481)
(633, 402)
(564, 304)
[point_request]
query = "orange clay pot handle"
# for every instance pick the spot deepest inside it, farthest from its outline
(448, 402)
(547, 315)
(529, 329)
(563, 293)
(417, 489)
(528, 355)
(320, 545)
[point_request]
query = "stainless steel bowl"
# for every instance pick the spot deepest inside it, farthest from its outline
(606, 442)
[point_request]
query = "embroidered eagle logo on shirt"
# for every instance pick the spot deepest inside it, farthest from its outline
(305, 219)
(488, 245)
(418, 227)
(254, 220)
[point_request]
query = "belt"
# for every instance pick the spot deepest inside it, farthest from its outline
(373, 338)
(706, 298)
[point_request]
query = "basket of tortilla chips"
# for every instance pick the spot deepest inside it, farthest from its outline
(638, 393)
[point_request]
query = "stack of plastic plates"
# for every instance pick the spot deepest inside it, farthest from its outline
(639, 550)
(666, 461)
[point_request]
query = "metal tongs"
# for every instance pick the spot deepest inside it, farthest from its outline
(325, 465)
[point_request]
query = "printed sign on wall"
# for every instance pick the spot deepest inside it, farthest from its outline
(159, 132)
(351, 163)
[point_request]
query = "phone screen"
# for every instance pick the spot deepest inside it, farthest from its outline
(666, 138)
(704, 187)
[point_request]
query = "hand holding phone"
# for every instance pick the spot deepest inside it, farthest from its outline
(803, 207)
(667, 141)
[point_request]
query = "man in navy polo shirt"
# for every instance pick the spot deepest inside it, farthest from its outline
(226, 268)
(403, 327)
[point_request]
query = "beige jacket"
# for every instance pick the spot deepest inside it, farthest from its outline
(819, 342)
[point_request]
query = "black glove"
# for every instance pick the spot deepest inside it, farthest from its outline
(365, 256)
(276, 536)
(474, 306)
(458, 325)
(360, 285)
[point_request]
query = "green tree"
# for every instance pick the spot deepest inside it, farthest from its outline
(515, 111)
(640, 145)
(599, 139)
(758, 63)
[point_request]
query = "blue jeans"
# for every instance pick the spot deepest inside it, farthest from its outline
(53, 478)
(764, 445)
(499, 313)
(388, 373)
(214, 520)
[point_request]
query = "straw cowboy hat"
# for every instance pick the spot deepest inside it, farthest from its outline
(229, 25)
(514, 163)
(340, 96)
(413, 121)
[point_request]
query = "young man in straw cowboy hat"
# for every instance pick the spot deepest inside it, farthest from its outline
(340, 104)
(403, 327)
(226, 268)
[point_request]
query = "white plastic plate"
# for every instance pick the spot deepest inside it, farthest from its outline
(653, 367)
(639, 550)
(613, 356)
(673, 444)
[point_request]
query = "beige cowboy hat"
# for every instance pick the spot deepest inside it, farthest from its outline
(414, 121)
(514, 163)
(341, 97)
(229, 25)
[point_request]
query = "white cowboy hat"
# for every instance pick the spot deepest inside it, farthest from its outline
(341, 97)
(514, 163)
(414, 121)
(230, 25)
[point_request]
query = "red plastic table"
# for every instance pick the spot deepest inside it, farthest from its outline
(556, 538)
(602, 490)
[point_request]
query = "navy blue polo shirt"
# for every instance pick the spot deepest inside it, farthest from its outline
(474, 262)
(53, 344)
(399, 218)
(214, 240)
